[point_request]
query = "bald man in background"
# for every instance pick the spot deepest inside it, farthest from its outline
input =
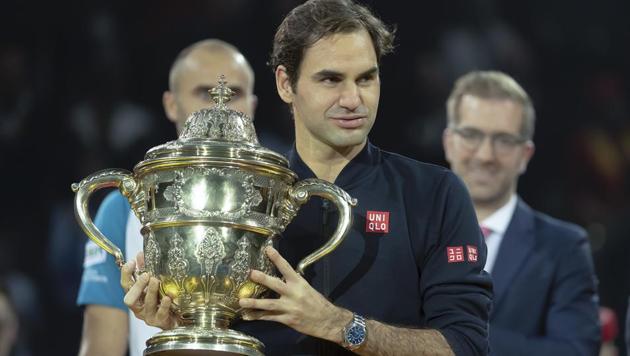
(107, 326)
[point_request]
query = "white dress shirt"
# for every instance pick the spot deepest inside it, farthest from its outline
(497, 222)
(139, 332)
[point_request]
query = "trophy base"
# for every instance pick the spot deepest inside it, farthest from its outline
(196, 342)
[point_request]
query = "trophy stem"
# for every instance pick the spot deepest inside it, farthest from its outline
(207, 319)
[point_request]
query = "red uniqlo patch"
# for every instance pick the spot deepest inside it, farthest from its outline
(455, 254)
(377, 221)
(472, 253)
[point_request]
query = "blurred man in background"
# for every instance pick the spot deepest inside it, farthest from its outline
(545, 297)
(107, 328)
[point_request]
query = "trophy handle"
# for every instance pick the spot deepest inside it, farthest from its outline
(118, 178)
(302, 191)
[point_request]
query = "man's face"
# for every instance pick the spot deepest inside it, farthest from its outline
(486, 149)
(199, 73)
(337, 91)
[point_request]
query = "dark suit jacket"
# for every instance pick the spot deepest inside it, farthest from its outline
(545, 297)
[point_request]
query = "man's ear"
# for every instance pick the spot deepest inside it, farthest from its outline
(170, 107)
(447, 143)
(283, 84)
(528, 152)
(254, 104)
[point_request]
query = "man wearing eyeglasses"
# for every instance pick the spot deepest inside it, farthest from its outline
(545, 298)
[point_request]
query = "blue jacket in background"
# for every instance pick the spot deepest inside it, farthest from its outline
(545, 294)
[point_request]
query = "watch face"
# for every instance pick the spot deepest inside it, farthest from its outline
(355, 335)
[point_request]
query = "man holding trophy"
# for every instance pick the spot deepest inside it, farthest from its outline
(414, 255)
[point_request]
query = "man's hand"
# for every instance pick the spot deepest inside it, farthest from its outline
(299, 306)
(141, 296)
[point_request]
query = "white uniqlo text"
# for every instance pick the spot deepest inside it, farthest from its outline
(377, 221)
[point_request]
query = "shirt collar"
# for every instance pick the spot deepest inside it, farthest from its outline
(498, 221)
(351, 175)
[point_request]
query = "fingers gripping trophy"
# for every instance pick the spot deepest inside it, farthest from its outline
(210, 202)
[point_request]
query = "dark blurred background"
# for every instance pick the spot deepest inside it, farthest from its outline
(81, 85)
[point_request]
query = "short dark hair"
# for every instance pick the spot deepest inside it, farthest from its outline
(491, 84)
(316, 19)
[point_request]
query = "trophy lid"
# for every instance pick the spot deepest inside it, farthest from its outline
(219, 134)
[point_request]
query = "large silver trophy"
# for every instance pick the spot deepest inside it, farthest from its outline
(209, 203)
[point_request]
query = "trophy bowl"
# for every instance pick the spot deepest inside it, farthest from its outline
(209, 203)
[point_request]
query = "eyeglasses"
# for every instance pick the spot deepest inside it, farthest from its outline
(502, 143)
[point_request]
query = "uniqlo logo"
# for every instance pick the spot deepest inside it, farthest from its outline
(455, 254)
(472, 253)
(377, 221)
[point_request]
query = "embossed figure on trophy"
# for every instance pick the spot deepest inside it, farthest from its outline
(177, 267)
(151, 252)
(152, 188)
(210, 252)
(264, 264)
(240, 265)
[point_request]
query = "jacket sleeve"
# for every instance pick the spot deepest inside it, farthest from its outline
(456, 291)
(572, 321)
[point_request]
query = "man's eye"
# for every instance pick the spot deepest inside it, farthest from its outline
(366, 80)
(471, 134)
(236, 93)
(506, 140)
(330, 80)
(203, 95)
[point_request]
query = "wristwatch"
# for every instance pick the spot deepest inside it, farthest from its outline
(355, 333)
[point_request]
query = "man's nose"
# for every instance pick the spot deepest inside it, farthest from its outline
(350, 97)
(485, 151)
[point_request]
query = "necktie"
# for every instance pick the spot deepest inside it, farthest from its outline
(485, 231)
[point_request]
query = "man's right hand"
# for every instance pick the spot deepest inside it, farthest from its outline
(142, 295)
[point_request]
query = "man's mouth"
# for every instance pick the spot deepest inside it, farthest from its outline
(349, 121)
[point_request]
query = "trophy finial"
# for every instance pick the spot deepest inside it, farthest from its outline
(221, 94)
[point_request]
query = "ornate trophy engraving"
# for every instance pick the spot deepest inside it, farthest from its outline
(210, 202)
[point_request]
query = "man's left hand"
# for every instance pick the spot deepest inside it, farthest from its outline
(299, 306)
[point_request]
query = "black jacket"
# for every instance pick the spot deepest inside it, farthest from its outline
(426, 271)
